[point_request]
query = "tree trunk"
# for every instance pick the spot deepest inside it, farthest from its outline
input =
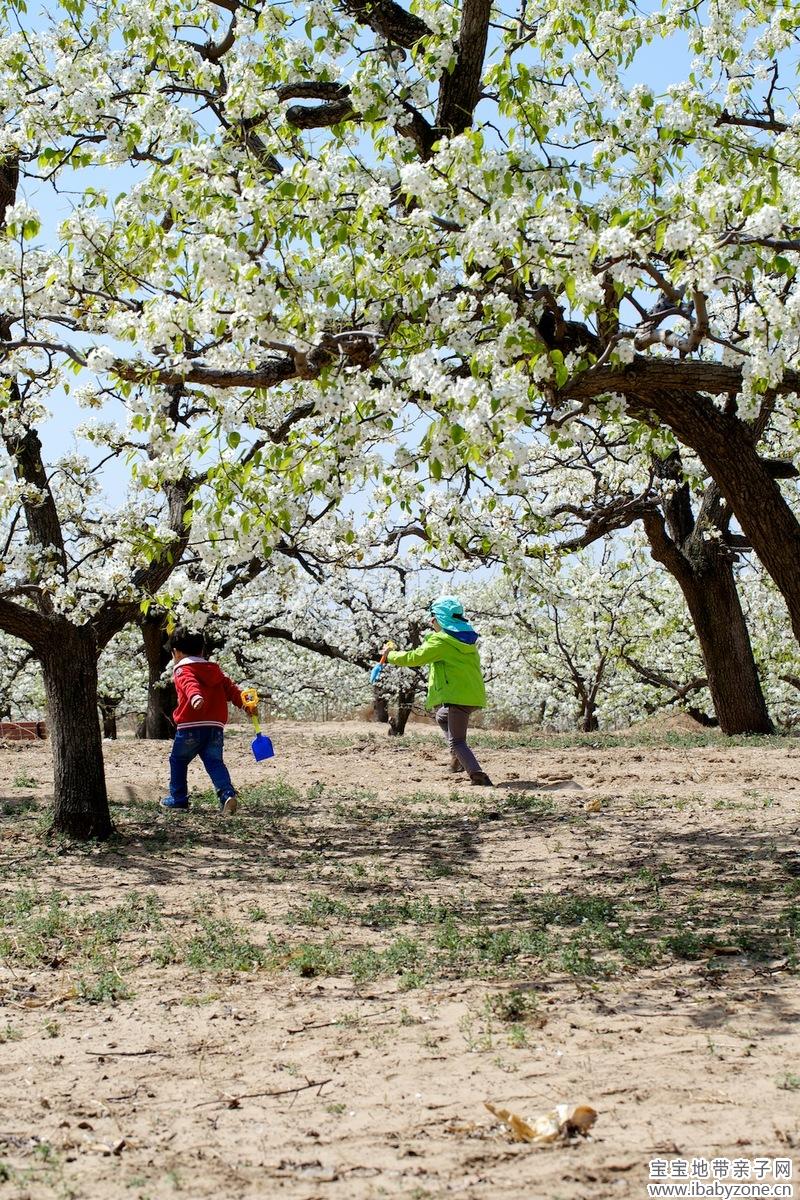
(704, 572)
(589, 722)
(380, 709)
(161, 697)
(674, 392)
(108, 712)
(716, 611)
(405, 704)
(69, 666)
(725, 446)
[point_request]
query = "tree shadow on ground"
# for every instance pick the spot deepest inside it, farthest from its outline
(527, 885)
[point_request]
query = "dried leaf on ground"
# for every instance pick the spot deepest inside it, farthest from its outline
(563, 1122)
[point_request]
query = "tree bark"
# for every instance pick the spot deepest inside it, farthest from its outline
(724, 640)
(108, 712)
(161, 698)
(69, 666)
(671, 391)
(726, 449)
(588, 717)
(380, 709)
(704, 572)
(405, 705)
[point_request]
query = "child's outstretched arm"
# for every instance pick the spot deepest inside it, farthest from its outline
(188, 690)
(426, 653)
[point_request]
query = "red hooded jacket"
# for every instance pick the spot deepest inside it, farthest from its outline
(199, 677)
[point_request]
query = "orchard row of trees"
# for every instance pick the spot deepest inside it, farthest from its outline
(602, 642)
(355, 286)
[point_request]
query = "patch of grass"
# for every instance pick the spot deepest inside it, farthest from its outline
(272, 800)
(577, 957)
(54, 930)
(534, 740)
(512, 1007)
(386, 913)
(165, 952)
(532, 803)
(20, 807)
(789, 1082)
(320, 910)
(10, 1034)
(790, 919)
(310, 959)
(24, 781)
(439, 868)
(106, 987)
(222, 946)
(689, 945)
(404, 956)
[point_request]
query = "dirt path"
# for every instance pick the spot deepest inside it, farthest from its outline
(315, 998)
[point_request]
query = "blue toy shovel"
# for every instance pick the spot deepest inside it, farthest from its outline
(377, 670)
(261, 745)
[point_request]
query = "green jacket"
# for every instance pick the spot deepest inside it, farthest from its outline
(455, 676)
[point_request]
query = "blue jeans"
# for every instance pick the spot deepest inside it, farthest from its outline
(205, 741)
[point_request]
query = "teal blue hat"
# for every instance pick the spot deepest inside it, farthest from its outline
(449, 612)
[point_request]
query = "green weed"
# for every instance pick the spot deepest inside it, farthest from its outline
(310, 959)
(512, 1007)
(319, 910)
(222, 946)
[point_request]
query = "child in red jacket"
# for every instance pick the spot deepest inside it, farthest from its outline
(200, 717)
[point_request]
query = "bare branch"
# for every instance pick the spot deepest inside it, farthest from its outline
(768, 123)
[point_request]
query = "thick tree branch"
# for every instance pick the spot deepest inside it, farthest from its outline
(769, 124)
(617, 514)
(460, 91)
(662, 547)
(658, 679)
(24, 623)
(652, 376)
(390, 20)
(320, 116)
(41, 514)
(318, 646)
(677, 502)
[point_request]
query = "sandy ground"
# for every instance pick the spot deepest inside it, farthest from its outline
(305, 1078)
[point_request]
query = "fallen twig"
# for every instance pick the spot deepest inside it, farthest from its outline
(340, 1021)
(123, 1053)
(234, 1101)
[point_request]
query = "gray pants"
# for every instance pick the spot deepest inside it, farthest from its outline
(453, 720)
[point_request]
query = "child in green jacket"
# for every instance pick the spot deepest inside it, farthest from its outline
(455, 683)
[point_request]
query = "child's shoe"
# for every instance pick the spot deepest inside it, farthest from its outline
(171, 802)
(480, 779)
(228, 805)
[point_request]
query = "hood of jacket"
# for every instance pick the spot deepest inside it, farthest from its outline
(466, 636)
(206, 673)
